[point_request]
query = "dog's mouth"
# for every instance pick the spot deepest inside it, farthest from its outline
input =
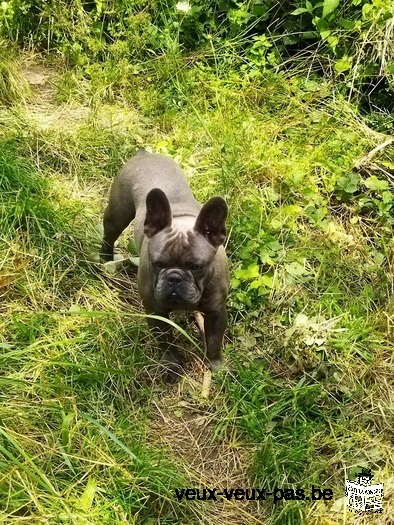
(176, 292)
(173, 296)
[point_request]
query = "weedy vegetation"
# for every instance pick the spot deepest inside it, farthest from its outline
(285, 109)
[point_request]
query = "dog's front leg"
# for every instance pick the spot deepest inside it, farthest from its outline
(215, 324)
(171, 358)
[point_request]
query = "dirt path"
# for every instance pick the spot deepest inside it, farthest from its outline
(187, 430)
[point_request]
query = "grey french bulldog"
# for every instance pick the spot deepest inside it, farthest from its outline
(183, 264)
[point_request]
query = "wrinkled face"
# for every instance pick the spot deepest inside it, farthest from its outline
(181, 263)
(181, 250)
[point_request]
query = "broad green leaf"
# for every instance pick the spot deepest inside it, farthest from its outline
(299, 11)
(292, 210)
(321, 24)
(375, 184)
(251, 272)
(289, 40)
(271, 194)
(329, 7)
(255, 284)
(296, 269)
(235, 283)
(311, 86)
(333, 42)
(266, 258)
(276, 224)
(349, 183)
(274, 245)
(325, 34)
(343, 64)
(366, 9)
(347, 24)
(268, 280)
(387, 197)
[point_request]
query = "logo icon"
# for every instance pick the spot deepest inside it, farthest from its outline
(362, 495)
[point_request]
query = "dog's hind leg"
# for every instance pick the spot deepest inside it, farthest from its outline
(116, 219)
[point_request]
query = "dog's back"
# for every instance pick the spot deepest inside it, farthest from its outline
(129, 189)
(153, 170)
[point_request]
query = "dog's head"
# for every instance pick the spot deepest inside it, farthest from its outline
(181, 253)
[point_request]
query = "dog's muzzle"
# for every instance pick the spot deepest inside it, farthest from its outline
(176, 286)
(174, 281)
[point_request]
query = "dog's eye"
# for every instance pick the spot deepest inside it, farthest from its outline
(158, 264)
(196, 267)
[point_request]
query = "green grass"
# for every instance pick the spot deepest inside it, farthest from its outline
(87, 433)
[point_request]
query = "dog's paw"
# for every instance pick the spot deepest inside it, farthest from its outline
(172, 373)
(215, 365)
(171, 367)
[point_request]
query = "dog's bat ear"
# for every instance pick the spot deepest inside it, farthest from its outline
(211, 221)
(158, 212)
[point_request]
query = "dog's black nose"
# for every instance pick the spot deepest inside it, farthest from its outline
(174, 279)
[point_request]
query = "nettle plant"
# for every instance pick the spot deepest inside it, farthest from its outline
(372, 195)
(272, 236)
(265, 237)
(378, 197)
